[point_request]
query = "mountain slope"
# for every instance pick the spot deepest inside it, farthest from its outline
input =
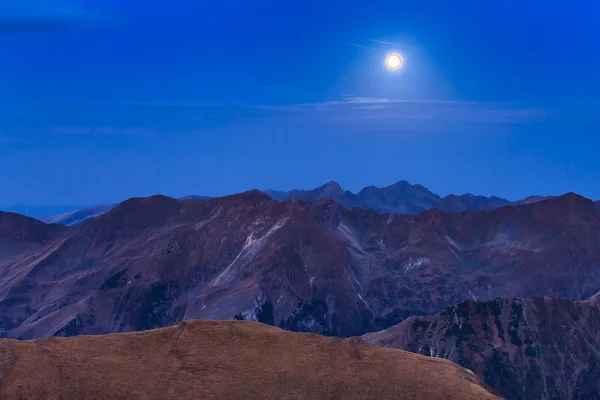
(225, 360)
(526, 349)
(302, 266)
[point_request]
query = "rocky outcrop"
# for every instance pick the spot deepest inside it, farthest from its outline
(542, 348)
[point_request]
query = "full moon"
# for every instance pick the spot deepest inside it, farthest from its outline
(394, 61)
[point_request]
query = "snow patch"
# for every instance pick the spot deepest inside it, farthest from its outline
(345, 232)
(414, 263)
(453, 243)
(251, 247)
(363, 300)
(473, 295)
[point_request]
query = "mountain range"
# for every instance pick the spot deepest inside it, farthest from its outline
(305, 266)
(226, 360)
(318, 266)
(399, 198)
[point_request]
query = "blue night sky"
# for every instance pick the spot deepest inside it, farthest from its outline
(102, 100)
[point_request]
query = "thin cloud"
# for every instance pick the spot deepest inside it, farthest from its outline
(381, 108)
(389, 43)
(360, 46)
(382, 100)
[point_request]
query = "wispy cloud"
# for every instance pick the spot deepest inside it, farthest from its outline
(389, 43)
(360, 46)
(356, 113)
(380, 108)
(376, 41)
(383, 100)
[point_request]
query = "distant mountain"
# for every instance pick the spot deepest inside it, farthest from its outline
(195, 197)
(226, 360)
(530, 199)
(400, 198)
(40, 211)
(330, 190)
(75, 218)
(526, 349)
(467, 202)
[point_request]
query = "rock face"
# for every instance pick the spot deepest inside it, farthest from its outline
(526, 349)
(225, 360)
(302, 266)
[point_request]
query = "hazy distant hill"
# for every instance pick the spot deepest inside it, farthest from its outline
(40, 211)
(75, 218)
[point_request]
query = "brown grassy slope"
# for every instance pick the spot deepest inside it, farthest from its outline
(224, 360)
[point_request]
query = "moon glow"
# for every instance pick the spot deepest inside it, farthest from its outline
(394, 61)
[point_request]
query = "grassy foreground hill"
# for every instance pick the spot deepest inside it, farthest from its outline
(225, 360)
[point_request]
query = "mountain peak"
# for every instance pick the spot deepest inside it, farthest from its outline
(402, 183)
(332, 185)
(570, 199)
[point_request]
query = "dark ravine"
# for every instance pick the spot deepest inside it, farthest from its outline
(542, 348)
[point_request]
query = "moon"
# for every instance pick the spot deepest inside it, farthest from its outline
(394, 61)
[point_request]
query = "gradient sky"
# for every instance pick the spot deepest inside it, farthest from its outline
(104, 100)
